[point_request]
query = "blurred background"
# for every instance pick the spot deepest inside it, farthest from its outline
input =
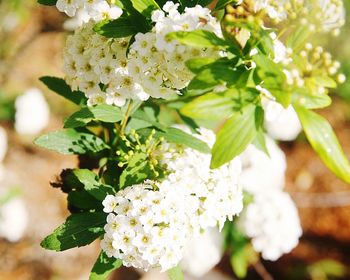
(31, 42)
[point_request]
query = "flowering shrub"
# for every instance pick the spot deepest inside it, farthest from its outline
(153, 80)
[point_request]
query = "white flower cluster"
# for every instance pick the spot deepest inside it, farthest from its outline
(32, 112)
(154, 67)
(217, 190)
(322, 15)
(148, 226)
(271, 220)
(170, 20)
(96, 10)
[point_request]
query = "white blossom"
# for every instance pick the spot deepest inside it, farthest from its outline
(203, 253)
(149, 226)
(272, 222)
(13, 220)
(32, 112)
(85, 10)
(281, 123)
(147, 71)
(218, 191)
(262, 172)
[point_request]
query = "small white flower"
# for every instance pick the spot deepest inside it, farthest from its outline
(262, 172)
(272, 222)
(32, 112)
(13, 220)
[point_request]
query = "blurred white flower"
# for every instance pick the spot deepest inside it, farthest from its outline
(13, 220)
(282, 123)
(32, 112)
(3, 144)
(273, 224)
(203, 253)
(262, 172)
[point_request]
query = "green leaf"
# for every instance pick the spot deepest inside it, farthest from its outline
(82, 200)
(124, 26)
(260, 142)
(47, 2)
(145, 7)
(233, 138)
(136, 172)
(198, 38)
(71, 141)
(196, 65)
(103, 112)
(311, 101)
(147, 114)
(297, 39)
(177, 136)
(324, 141)
(62, 88)
(220, 106)
(78, 230)
(118, 28)
(239, 264)
(175, 273)
(222, 4)
(212, 76)
(104, 266)
(324, 81)
(91, 185)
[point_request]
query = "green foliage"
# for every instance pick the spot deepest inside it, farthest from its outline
(220, 104)
(47, 2)
(310, 101)
(137, 170)
(199, 38)
(324, 141)
(175, 273)
(135, 19)
(145, 7)
(104, 266)
(71, 141)
(104, 113)
(92, 185)
(233, 138)
(62, 88)
(78, 230)
(241, 253)
(327, 269)
(7, 108)
(222, 4)
(118, 28)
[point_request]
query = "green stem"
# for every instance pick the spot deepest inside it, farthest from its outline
(126, 118)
